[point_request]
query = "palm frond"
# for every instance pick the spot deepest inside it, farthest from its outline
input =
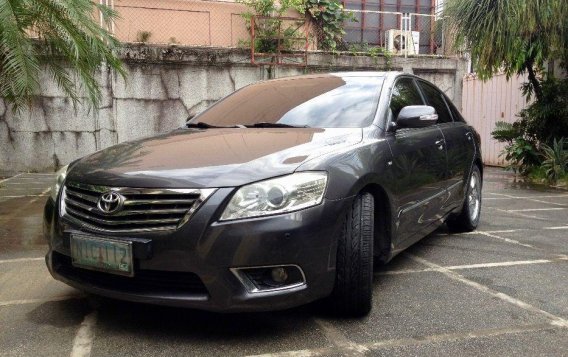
(504, 132)
(69, 42)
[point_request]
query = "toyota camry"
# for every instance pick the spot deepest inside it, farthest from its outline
(284, 192)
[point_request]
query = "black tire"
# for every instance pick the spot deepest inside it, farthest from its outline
(467, 220)
(353, 292)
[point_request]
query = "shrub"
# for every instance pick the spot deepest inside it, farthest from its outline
(546, 119)
(536, 139)
(143, 36)
(521, 155)
(555, 163)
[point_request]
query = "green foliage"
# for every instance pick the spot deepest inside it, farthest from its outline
(143, 36)
(364, 49)
(516, 36)
(329, 18)
(268, 30)
(505, 132)
(327, 15)
(537, 175)
(555, 163)
(521, 156)
(547, 118)
(62, 37)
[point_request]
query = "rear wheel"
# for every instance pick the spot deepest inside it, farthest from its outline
(352, 294)
(468, 219)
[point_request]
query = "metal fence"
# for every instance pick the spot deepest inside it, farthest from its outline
(279, 40)
(398, 33)
(221, 24)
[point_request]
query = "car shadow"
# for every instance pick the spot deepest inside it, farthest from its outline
(172, 324)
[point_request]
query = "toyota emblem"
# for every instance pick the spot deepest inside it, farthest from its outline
(110, 202)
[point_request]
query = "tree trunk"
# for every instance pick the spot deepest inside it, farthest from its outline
(534, 81)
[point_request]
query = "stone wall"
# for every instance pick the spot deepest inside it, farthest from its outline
(163, 86)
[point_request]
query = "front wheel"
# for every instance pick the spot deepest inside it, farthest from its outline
(353, 292)
(468, 219)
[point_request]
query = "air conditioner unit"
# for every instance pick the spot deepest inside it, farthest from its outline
(402, 41)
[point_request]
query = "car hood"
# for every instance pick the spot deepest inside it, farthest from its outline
(224, 157)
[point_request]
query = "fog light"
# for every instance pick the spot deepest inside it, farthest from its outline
(267, 278)
(279, 275)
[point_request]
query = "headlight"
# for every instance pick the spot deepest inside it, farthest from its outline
(279, 195)
(58, 182)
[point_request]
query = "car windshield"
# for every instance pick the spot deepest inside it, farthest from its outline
(318, 102)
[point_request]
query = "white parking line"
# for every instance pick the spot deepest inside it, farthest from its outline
(492, 232)
(527, 197)
(337, 338)
(18, 260)
(22, 207)
(9, 178)
(508, 240)
(476, 266)
(83, 342)
(43, 183)
(39, 301)
(417, 340)
(38, 174)
(43, 193)
(554, 320)
(517, 214)
(550, 203)
(505, 264)
(560, 227)
(536, 209)
(457, 336)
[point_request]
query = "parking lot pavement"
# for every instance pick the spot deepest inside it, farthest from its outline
(500, 290)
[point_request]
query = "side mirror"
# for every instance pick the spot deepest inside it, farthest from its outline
(416, 116)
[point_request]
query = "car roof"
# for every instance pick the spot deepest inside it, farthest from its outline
(390, 74)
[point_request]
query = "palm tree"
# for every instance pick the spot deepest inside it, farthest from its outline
(62, 37)
(516, 36)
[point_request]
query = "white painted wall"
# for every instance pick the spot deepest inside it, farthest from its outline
(485, 103)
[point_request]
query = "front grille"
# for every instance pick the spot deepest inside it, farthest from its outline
(142, 210)
(144, 281)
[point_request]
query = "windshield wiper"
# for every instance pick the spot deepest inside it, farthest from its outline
(202, 125)
(274, 125)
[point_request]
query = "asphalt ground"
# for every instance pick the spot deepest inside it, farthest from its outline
(501, 290)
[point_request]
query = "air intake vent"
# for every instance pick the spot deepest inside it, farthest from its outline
(111, 209)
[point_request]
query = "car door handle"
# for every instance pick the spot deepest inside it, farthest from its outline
(440, 144)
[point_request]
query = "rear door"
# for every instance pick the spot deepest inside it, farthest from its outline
(458, 141)
(417, 169)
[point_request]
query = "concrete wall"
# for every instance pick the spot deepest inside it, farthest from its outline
(163, 85)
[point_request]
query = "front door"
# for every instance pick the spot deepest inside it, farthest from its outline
(417, 169)
(460, 146)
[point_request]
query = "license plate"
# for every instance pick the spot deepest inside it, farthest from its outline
(102, 254)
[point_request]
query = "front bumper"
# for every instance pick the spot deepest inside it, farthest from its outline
(206, 250)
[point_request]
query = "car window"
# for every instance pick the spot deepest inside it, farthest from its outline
(404, 93)
(455, 112)
(435, 98)
(328, 101)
